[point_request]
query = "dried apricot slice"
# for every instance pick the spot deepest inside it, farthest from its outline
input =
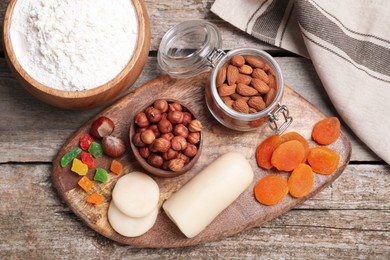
(323, 160)
(271, 189)
(296, 136)
(265, 150)
(301, 181)
(326, 131)
(288, 155)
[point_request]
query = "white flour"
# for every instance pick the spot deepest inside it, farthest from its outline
(74, 44)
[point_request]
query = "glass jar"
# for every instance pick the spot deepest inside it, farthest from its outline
(192, 47)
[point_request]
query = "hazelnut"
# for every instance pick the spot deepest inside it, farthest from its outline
(168, 136)
(165, 126)
(161, 145)
(154, 128)
(170, 154)
(148, 136)
(152, 149)
(141, 120)
(153, 114)
(183, 157)
(165, 165)
(191, 150)
(195, 126)
(144, 152)
(140, 129)
(181, 130)
(137, 141)
(175, 107)
(176, 117)
(176, 165)
(161, 105)
(187, 118)
(155, 160)
(193, 138)
(179, 143)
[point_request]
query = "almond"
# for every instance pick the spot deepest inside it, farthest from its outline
(221, 75)
(238, 60)
(225, 98)
(229, 102)
(236, 96)
(244, 79)
(260, 85)
(245, 69)
(272, 81)
(270, 97)
(255, 62)
(257, 103)
(232, 73)
(225, 90)
(241, 106)
(252, 110)
(246, 90)
(260, 74)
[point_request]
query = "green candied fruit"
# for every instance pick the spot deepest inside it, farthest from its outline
(69, 156)
(96, 150)
(101, 175)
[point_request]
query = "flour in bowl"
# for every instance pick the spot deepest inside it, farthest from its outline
(74, 45)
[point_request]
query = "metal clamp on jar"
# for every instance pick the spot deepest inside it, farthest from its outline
(192, 47)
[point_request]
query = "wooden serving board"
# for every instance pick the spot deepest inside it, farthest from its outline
(243, 214)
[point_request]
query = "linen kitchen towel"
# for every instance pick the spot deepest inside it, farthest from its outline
(349, 44)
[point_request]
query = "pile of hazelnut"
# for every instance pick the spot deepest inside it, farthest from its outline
(166, 135)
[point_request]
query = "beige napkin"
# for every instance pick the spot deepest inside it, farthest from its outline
(349, 44)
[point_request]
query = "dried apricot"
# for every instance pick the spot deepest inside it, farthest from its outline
(271, 189)
(326, 131)
(288, 155)
(265, 150)
(323, 160)
(296, 136)
(301, 181)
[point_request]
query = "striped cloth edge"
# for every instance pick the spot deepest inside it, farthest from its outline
(349, 44)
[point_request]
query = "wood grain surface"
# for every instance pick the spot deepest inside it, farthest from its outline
(347, 220)
(244, 213)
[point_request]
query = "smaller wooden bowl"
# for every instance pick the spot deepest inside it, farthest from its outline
(85, 99)
(158, 171)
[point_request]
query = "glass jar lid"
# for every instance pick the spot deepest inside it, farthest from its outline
(186, 49)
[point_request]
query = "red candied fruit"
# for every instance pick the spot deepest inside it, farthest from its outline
(88, 159)
(86, 141)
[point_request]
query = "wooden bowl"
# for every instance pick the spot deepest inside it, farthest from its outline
(158, 171)
(87, 98)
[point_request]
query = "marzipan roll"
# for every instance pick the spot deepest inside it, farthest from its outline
(212, 190)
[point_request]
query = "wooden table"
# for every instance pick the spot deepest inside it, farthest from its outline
(350, 219)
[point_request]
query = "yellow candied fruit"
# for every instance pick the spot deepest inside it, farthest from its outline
(79, 167)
